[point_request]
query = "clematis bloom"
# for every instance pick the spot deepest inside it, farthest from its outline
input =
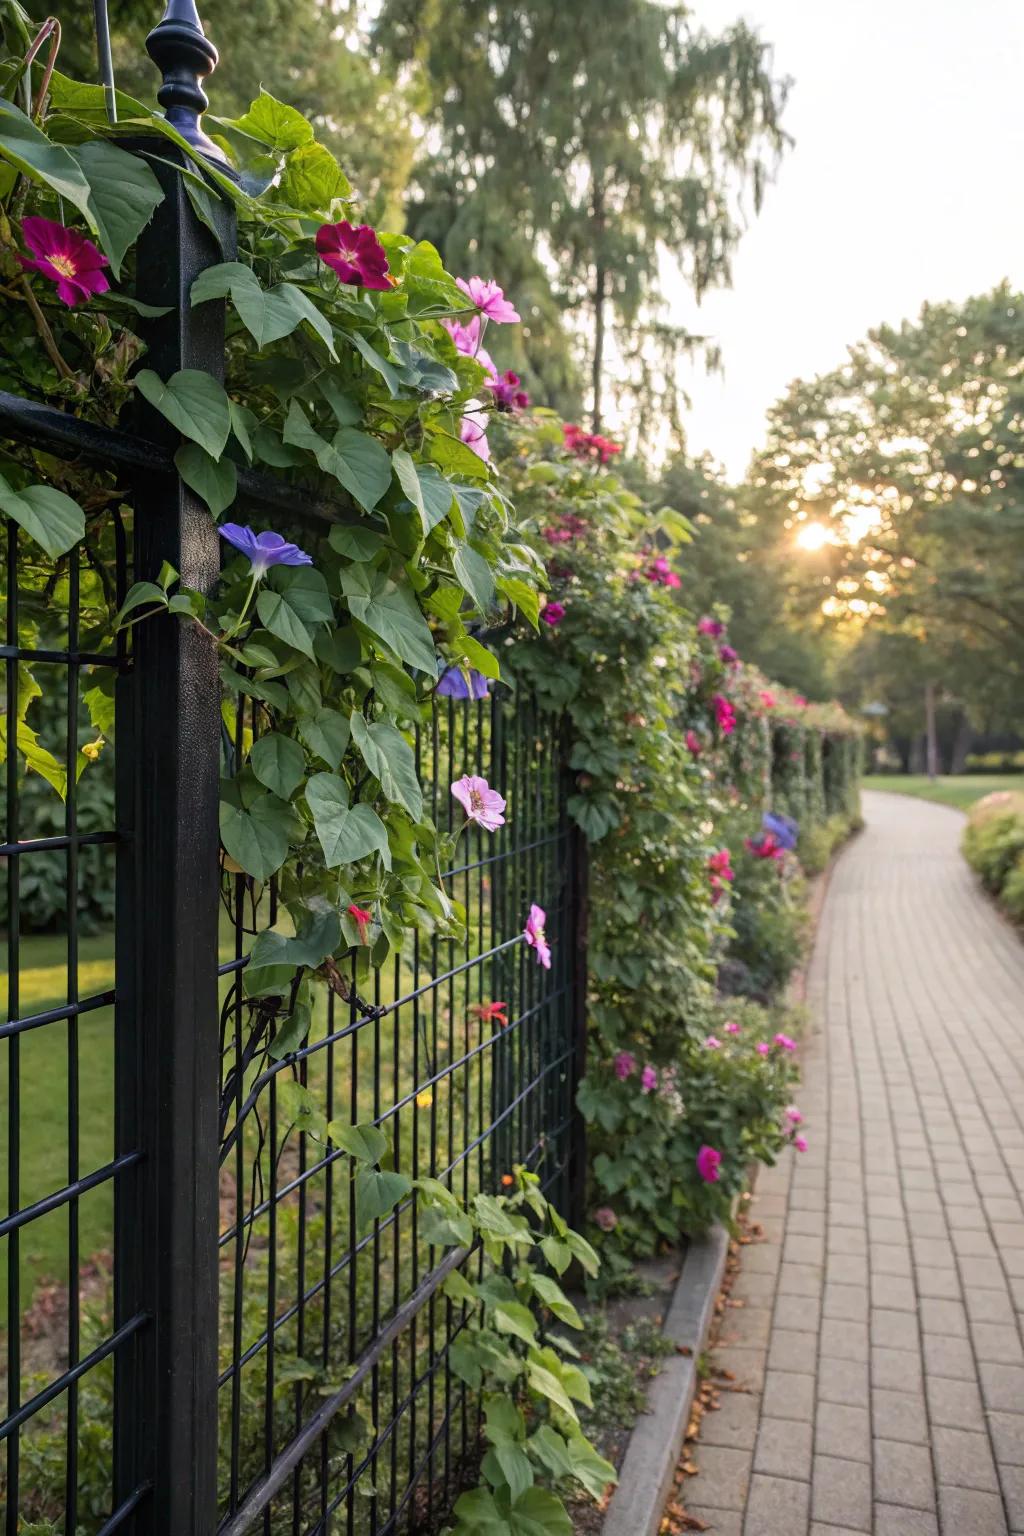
(263, 549)
(648, 1079)
(480, 802)
(489, 299)
(535, 937)
(356, 255)
(66, 258)
(625, 1065)
(553, 613)
(710, 626)
(362, 920)
(709, 1163)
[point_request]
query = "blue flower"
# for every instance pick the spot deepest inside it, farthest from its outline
(263, 549)
(453, 684)
(783, 828)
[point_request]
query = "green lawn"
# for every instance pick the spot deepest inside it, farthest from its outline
(960, 790)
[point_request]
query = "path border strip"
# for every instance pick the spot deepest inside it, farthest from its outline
(649, 1465)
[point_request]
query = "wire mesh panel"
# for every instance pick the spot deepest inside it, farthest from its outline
(339, 1407)
(61, 1153)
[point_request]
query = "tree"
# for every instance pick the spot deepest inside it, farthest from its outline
(905, 467)
(596, 146)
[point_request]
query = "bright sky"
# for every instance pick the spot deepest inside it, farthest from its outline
(903, 186)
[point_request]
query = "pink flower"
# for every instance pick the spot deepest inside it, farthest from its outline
(507, 394)
(719, 865)
(660, 572)
(356, 255)
(712, 1043)
(800, 1142)
(489, 299)
(553, 613)
(785, 1043)
(793, 1115)
(606, 1218)
(362, 920)
(625, 1065)
(648, 1079)
(693, 743)
(763, 1048)
(800, 701)
(724, 714)
(534, 935)
(767, 698)
(481, 803)
(727, 654)
(709, 1163)
(709, 626)
(473, 432)
(732, 1028)
(589, 445)
(466, 337)
(66, 258)
(765, 847)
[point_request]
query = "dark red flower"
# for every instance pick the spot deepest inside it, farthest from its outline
(356, 255)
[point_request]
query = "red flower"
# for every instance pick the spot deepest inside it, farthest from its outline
(356, 255)
(66, 258)
(491, 1013)
(724, 714)
(362, 920)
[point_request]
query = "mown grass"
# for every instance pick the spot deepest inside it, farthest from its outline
(959, 790)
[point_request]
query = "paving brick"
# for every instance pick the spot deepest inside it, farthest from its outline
(896, 1520)
(844, 1340)
(725, 1472)
(890, 1259)
(843, 1381)
(963, 1459)
(947, 1356)
(894, 1330)
(792, 1351)
(1002, 1386)
(966, 1513)
(954, 1403)
(789, 1395)
(997, 1341)
(784, 1448)
(903, 1474)
(1007, 1432)
(745, 1365)
(734, 1422)
(840, 1430)
(777, 1506)
(801, 1313)
(849, 1302)
(748, 1326)
(841, 1493)
(722, 1522)
(944, 1317)
(893, 1291)
(944, 1284)
(899, 1415)
(899, 1369)
(800, 1279)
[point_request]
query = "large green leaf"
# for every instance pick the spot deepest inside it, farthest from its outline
(318, 936)
(358, 461)
(49, 165)
(392, 613)
(279, 763)
(378, 363)
(326, 733)
(364, 1142)
(475, 574)
(267, 314)
(215, 480)
(274, 123)
(51, 518)
(378, 1193)
(347, 832)
(312, 180)
(306, 591)
(123, 192)
(256, 836)
(391, 760)
(193, 402)
(427, 489)
(277, 614)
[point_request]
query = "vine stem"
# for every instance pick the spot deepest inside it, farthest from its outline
(43, 327)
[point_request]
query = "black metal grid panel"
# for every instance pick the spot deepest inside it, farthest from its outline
(57, 632)
(307, 1296)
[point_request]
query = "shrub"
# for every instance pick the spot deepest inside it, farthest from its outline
(993, 845)
(770, 928)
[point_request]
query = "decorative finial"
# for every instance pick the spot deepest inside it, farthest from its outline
(184, 56)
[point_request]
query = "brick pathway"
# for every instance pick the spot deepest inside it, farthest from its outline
(881, 1337)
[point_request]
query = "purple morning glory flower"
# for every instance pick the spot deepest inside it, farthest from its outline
(783, 828)
(453, 684)
(263, 549)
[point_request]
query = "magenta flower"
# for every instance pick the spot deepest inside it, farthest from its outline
(763, 1048)
(662, 574)
(480, 802)
(709, 1163)
(553, 613)
(356, 255)
(709, 626)
(767, 698)
(473, 432)
(466, 337)
(693, 744)
(793, 1115)
(263, 549)
(66, 258)
(625, 1065)
(534, 935)
(727, 654)
(732, 1028)
(724, 714)
(606, 1218)
(785, 1043)
(718, 864)
(712, 1043)
(800, 1142)
(648, 1079)
(508, 396)
(489, 299)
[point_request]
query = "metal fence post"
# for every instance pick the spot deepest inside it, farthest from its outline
(166, 1219)
(580, 913)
